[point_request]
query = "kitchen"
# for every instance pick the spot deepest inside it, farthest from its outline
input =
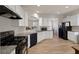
(24, 26)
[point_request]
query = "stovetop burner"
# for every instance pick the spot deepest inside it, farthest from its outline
(8, 38)
(12, 42)
(15, 42)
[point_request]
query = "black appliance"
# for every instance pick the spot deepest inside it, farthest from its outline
(63, 29)
(44, 28)
(6, 12)
(22, 47)
(7, 38)
(33, 39)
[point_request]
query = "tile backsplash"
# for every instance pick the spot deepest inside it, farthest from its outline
(10, 24)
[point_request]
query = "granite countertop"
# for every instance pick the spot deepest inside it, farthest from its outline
(73, 31)
(28, 33)
(24, 33)
(7, 49)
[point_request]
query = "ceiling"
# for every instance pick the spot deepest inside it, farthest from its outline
(50, 9)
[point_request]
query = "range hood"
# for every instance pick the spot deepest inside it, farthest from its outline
(6, 12)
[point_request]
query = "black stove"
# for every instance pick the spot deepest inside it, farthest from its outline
(7, 38)
(14, 42)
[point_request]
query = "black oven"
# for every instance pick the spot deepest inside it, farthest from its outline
(7, 38)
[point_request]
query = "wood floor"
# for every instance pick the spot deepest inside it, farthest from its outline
(53, 46)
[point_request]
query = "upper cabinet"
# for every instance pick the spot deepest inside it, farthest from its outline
(33, 21)
(75, 20)
(23, 14)
(20, 11)
(24, 21)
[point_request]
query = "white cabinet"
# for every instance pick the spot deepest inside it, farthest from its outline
(24, 20)
(44, 35)
(23, 14)
(73, 36)
(45, 22)
(40, 36)
(20, 11)
(74, 20)
(33, 21)
(50, 34)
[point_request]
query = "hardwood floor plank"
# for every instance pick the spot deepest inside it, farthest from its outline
(53, 46)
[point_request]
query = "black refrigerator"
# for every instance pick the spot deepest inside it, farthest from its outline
(63, 29)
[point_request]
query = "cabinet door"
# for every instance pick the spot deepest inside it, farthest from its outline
(51, 34)
(19, 11)
(40, 37)
(72, 37)
(48, 34)
(74, 21)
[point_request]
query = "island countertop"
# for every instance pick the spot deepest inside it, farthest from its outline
(28, 33)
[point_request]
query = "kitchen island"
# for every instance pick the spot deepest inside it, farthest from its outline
(12, 44)
(41, 35)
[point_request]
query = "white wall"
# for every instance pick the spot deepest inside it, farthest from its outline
(10, 24)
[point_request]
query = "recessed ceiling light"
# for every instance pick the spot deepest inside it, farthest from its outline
(66, 6)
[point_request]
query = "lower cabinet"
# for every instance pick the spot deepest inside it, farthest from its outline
(73, 36)
(33, 39)
(44, 35)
